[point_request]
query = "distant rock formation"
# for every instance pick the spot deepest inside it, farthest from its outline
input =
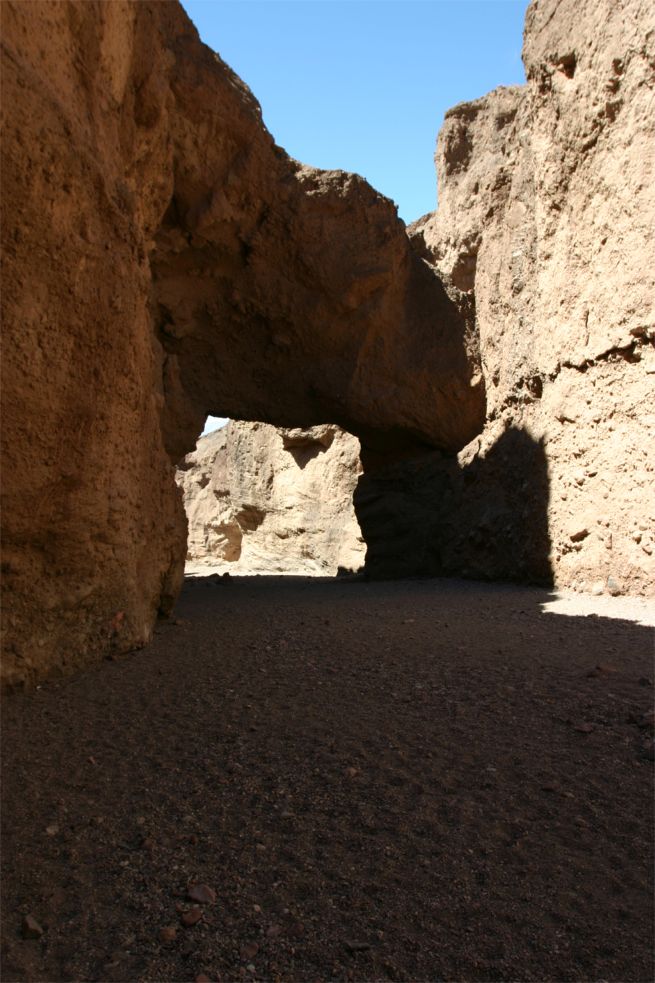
(265, 500)
(545, 226)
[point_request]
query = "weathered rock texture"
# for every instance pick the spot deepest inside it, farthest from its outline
(163, 260)
(545, 222)
(260, 499)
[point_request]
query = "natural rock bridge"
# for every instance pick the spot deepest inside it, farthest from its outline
(415, 779)
(165, 260)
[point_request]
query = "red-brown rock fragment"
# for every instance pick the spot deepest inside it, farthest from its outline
(202, 893)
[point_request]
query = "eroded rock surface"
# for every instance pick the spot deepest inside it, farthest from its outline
(545, 223)
(164, 259)
(263, 500)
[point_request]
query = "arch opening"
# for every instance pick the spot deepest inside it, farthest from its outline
(262, 500)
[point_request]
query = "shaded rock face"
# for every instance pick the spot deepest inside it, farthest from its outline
(479, 516)
(546, 212)
(163, 260)
(264, 500)
(92, 535)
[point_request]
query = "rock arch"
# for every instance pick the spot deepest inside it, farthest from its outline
(164, 259)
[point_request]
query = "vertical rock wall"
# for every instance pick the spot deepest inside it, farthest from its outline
(92, 538)
(545, 223)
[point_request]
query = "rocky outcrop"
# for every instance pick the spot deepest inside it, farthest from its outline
(263, 500)
(545, 222)
(165, 260)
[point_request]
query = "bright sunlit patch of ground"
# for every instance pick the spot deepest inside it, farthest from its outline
(641, 610)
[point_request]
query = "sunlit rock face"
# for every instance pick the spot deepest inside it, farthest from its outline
(545, 223)
(263, 500)
(164, 259)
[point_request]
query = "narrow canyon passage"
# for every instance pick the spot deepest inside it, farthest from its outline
(402, 780)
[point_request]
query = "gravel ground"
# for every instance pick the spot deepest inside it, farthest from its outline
(416, 780)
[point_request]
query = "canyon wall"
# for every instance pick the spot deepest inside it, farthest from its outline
(263, 500)
(545, 224)
(165, 260)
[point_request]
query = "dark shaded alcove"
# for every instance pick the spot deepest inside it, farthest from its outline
(487, 520)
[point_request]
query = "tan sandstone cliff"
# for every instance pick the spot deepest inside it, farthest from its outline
(546, 222)
(163, 260)
(260, 499)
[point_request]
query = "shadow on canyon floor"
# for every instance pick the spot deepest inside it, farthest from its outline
(424, 780)
(487, 520)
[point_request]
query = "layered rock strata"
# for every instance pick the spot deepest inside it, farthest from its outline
(545, 224)
(165, 260)
(262, 500)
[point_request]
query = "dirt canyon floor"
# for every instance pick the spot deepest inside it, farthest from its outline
(418, 780)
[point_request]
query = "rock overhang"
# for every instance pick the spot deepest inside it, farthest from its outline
(179, 262)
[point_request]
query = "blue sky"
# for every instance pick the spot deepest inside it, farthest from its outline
(362, 85)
